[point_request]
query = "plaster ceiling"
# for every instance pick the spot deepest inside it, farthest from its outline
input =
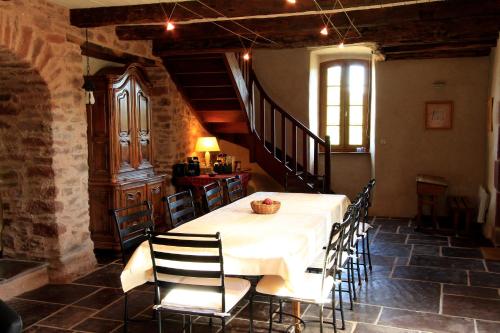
(106, 3)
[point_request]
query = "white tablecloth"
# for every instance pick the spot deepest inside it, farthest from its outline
(281, 244)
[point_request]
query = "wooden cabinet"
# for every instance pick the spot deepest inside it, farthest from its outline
(120, 143)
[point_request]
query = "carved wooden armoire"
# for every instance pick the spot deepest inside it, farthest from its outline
(120, 151)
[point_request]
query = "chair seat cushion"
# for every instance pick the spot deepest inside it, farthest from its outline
(207, 302)
(308, 291)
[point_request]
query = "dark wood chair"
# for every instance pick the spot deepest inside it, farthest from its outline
(213, 196)
(131, 225)
(193, 284)
(234, 188)
(180, 207)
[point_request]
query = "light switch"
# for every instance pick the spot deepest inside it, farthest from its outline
(383, 142)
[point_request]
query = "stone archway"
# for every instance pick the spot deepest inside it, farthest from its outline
(27, 185)
(45, 106)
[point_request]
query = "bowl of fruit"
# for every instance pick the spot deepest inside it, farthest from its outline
(266, 206)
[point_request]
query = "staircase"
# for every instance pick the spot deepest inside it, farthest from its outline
(231, 103)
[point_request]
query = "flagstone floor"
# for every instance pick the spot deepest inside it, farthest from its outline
(419, 283)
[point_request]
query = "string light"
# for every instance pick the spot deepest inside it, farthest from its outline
(170, 26)
(324, 31)
(341, 45)
(246, 56)
(291, 1)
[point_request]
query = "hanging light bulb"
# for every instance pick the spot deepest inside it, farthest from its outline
(246, 56)
(170, 26)
(324, 31)
(341, 45)
(291, 1)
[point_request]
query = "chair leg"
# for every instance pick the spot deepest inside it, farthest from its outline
(364, 257)
(357, 265)
(349, 284)
(334, 316)
(158, 316)
(270, 314)
(368, 251)
(125, 314)
(354, 297)
(223, 325)
(281, 311)
(250, 315)
(341, 303)
(190, 324)
(321, 318)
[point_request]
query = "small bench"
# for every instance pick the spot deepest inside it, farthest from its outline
(462, 206)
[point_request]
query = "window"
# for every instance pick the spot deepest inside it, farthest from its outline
(344, 111)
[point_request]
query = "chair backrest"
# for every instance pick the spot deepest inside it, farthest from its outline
(367, 199)
(188, 261)
(213, 196)
(351, 224)
(131, 223)
(234, 188)
(180, 208)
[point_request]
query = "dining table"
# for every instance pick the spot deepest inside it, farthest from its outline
(284, 243)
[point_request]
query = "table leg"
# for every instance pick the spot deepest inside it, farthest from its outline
(296, 312)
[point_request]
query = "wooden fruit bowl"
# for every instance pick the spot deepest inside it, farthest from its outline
(261, 208)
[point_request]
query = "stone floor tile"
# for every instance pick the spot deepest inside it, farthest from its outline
(44, 329)
(363, 313)
(467, 242)
(471, 291)
(388, 227)
(260, 311)
(448, 262)
(432, 274)
(389, 238)
(67, 317)
(485, 279)
(493, 266)
(378, 260)
(10, 268)
(31, 311)
(461, 252)
(406, 294)
(407, 230)
(97, 325)
(137, 303)
(425, 321)
(429, 250)
(367, 328)
(390, 249)
(472, 307)
(108, 276)
(487, 326)
(491, 253)
(101, 298)
(59, 293)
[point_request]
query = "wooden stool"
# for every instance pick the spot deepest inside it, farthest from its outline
(429, 189)
(461, 206)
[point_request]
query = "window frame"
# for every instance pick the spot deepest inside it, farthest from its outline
(344, 97)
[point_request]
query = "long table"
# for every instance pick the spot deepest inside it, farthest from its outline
(282, 244)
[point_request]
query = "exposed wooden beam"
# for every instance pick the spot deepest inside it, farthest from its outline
(193, 11)
(104, 53)
(439, 47)
(440, 54)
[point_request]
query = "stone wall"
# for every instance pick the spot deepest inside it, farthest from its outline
(44, 190)
(175, 125)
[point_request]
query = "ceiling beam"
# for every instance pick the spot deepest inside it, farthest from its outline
(193, 11)
(440, 54)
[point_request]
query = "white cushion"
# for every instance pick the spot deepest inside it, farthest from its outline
(203, 301)
(307, 291)
(363, 227)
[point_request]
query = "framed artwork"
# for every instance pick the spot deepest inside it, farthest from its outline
(438, 114)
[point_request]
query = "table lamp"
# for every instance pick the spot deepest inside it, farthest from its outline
(207, 144)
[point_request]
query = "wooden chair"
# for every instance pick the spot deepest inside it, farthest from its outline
(180, 208)
(213, 196)
(234, 188)
(190, 283)
(131, 225)
(316, 288)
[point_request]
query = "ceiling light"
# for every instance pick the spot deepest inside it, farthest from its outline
(170, 26)
(246, 56)
(291, 1)
(324, 31)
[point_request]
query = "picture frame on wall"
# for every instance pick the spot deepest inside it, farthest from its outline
(438, 114)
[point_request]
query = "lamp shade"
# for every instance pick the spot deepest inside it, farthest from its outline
(207, 143)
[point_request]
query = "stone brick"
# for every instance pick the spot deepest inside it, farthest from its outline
(40, 171)
(44, 230)
(38, 207)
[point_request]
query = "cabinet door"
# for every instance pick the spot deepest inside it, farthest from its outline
(133, 196)
(124, 123)
(143, 124)
(156, 191)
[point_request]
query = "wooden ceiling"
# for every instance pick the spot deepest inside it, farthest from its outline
(401, 29)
